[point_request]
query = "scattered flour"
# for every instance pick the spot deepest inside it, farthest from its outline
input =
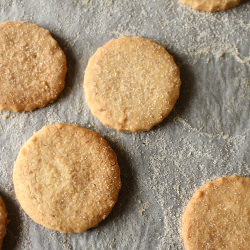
(207, 136)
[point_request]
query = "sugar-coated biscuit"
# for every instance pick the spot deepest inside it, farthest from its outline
(131, 84)
(32, 67)
(67, 178)
(218, 216)
(211, 5)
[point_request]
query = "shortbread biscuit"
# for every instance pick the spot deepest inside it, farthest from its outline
(32, 67)
(3, 221)
(67, 178)
(218, 216)
(131, 84)
(211, 5)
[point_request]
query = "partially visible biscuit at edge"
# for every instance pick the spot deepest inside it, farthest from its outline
(3, 221)
(211, 5)
(131, 84)
(218, 215)
(32, 67)
(67, 178)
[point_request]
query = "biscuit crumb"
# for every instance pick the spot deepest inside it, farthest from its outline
(5, 116)
(142, 211)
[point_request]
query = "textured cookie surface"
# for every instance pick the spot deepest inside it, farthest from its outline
(131, 84)
(218, 216)
(67, 178)
(32, 67)
(211, 5)
(3, 221)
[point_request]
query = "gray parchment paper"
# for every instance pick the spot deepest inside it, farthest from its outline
(205, 137)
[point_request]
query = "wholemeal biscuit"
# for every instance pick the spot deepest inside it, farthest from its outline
(32, 67)
(67, 178)
(131, 84)
(218, 215)
(211, 5)
(3, 221)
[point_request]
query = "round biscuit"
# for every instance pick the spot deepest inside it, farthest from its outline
(131, 84)
(211, 5)
(218, 216)
(67, 178)
(32, 67)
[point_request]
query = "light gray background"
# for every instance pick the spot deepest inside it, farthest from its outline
(205, 137)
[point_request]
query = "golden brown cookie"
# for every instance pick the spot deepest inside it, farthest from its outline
(67, 178)
(131, 84)
(211, 5)
(32, 67)
(218, 216)
(3, 221)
